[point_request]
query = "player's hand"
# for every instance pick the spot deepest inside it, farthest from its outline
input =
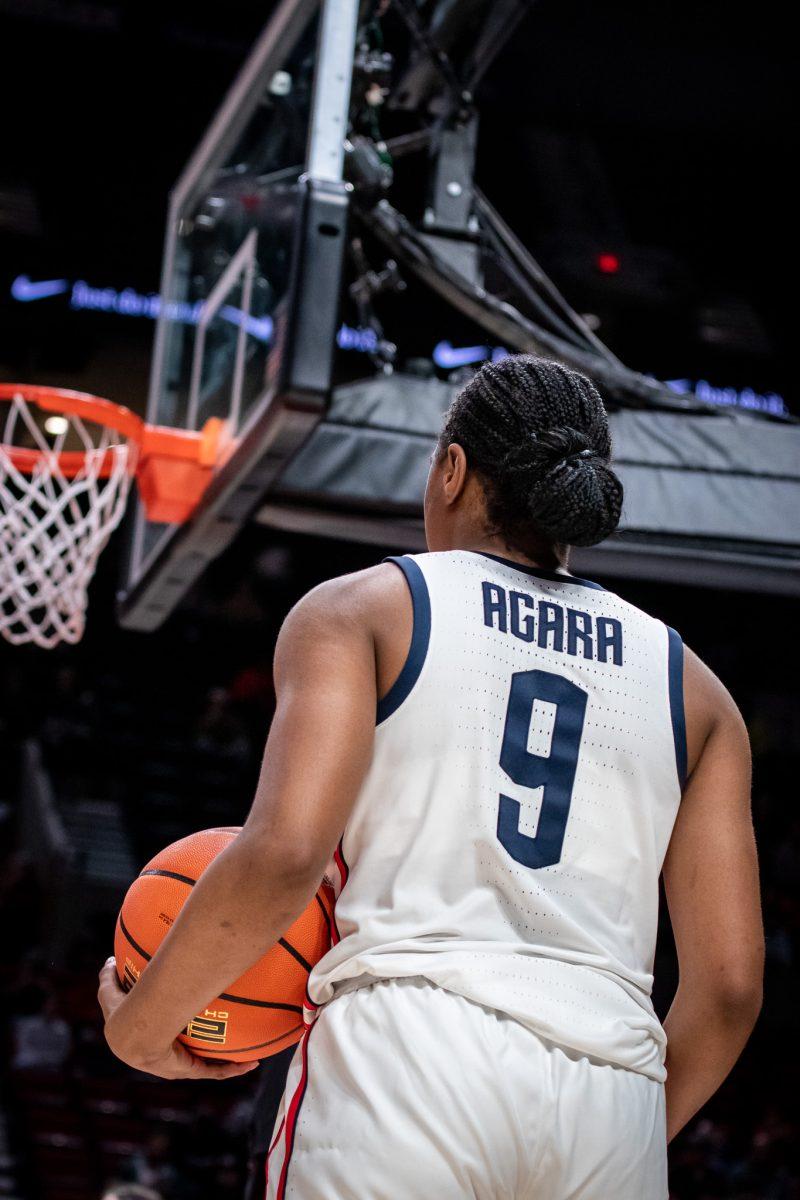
(170, 1062)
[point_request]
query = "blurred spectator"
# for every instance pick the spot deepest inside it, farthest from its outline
(41, 1041)
(71, 709)
(155, 1165)
(219, 730)
(19, 893)
(253, 686)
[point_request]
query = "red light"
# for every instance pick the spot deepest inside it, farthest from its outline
(607, 263)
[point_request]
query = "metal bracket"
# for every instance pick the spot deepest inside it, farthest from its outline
(449, 217)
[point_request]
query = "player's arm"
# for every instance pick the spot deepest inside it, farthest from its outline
(711, 878)
(318, 751)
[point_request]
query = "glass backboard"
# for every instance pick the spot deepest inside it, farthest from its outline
(258, 213)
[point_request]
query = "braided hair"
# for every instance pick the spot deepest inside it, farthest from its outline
(537, 435)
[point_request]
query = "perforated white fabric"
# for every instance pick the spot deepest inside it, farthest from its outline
(548, 914)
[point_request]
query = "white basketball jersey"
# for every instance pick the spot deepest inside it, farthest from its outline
(508, 839)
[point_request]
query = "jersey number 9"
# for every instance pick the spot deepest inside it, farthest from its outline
(554, 772)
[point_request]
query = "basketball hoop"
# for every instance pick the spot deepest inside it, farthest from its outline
(64, 486)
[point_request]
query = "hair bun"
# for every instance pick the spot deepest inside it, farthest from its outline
(566, 485)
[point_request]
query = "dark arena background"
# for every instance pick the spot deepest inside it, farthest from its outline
(606, 184)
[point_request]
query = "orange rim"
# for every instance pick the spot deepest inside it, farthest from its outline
(81, 404)
(155, 442)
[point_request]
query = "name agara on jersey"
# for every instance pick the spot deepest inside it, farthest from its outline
(552, 626)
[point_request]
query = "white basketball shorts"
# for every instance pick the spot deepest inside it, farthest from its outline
(403, 1091)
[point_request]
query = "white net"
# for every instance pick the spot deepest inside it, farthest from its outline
(53, 525)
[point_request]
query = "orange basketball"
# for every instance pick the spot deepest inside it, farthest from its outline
(261, 1013)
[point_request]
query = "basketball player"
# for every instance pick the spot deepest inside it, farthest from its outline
(482, 1025)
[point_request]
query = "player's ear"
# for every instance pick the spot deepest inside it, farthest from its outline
(454, 472)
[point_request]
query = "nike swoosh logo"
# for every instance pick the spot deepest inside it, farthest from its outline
(447, 356)
(24, 289)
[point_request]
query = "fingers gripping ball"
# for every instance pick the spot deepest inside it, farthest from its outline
(259, 1014)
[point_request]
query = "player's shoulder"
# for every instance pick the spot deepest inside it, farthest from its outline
(356, 599)
(707, 698)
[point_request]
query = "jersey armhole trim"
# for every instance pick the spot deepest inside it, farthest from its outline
(675, 670)
(420, 637)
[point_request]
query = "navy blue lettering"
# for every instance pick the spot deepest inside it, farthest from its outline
(609, 637)
(552, 626)
(554, 772)
(551, 620)
(494, 605)
(521, 627)
(579, 629)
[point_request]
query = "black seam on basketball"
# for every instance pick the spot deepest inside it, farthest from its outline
(170, 875)
(325, 914)
(261, 1003)
(295, 954)
(244, 1049)
(135, 945)
(223, 995)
